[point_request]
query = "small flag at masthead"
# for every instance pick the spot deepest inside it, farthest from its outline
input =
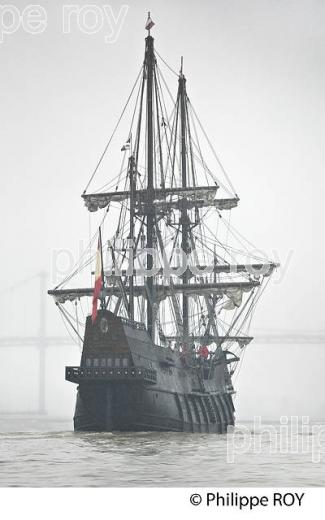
(150, 23)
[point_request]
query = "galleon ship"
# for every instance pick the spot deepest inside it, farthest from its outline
(166, 317)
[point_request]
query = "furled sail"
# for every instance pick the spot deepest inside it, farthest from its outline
(161, 291)
(206, 194)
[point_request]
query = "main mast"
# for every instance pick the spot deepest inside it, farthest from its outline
(132, 175)
(184, 215)
(149, 68)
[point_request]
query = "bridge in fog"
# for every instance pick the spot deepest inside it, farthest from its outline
(42, 342)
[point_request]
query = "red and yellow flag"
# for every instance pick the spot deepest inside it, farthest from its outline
(150, 23)
(98, 281)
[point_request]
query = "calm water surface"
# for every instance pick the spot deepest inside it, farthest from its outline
(40, 452)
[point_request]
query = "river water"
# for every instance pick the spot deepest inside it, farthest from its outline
(43, 452)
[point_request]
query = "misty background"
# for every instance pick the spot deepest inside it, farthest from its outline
(255, 72)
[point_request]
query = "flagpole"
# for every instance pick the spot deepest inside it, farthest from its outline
(102, 300)
(149, 19)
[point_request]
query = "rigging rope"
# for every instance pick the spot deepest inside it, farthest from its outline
(114, 131)
(213, 150)
(165, 63)
(64, 317)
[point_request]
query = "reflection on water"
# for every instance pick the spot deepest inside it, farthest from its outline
(41, 452)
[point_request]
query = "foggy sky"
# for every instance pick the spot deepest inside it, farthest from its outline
(255, 72)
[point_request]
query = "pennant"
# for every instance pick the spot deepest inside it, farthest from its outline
(98, 282)
(150, 23)
(126, 146)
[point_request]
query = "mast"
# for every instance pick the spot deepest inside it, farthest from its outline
(132, 175)
(150, 66)
(184, 215)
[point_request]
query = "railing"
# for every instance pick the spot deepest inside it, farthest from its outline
(79, 374)
(134, 324)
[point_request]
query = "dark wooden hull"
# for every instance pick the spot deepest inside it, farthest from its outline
(120, 406)
(126, 383)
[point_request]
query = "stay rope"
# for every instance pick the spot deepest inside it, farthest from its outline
(114, 131)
